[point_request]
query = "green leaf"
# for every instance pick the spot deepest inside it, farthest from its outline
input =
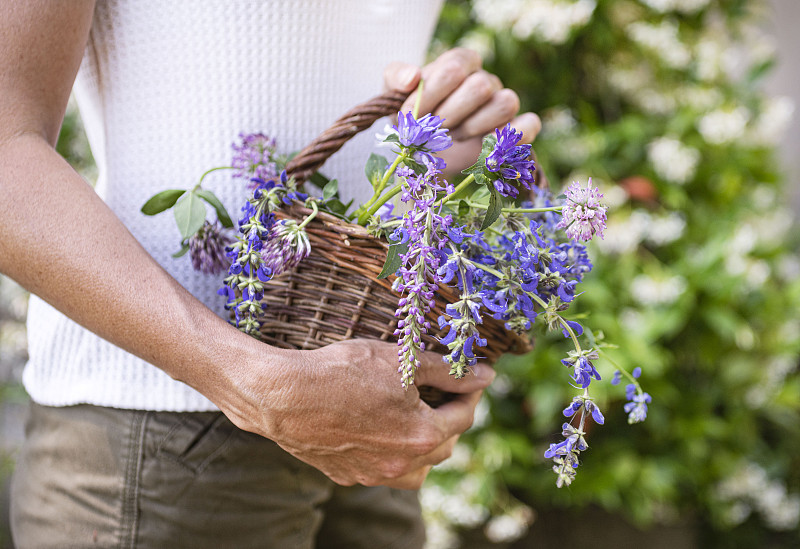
(393, 260)
(418, 168)
(392, 138)
(376, 166)
(484, 181)
(162, 201)
(318, 180)
(190, 214)
(330, 190)
(181, 252)
(495, 207)
(463, 209)
(479, 167)
(222, 213)
(336, 207)
(480, 194)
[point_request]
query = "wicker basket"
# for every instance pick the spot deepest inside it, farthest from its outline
(334, 294)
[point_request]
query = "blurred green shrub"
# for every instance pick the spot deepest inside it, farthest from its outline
(697, 281)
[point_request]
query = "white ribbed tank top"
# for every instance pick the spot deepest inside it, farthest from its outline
(164, 89)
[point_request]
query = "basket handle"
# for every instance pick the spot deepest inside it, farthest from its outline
(309, 160)
(358, 119)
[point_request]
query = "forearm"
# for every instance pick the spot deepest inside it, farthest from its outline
(60, 241)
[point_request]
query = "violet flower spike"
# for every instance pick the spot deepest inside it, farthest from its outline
(426, 232)
(583, 216)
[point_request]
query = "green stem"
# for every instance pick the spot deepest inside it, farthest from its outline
(312, 215)
(461, 186)
(359, 213)
(516, 210)
(375, 207)
(533, 210)
(208, 172)
(621, 369)
(415, 112)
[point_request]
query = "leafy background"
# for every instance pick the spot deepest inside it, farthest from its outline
(662, 102)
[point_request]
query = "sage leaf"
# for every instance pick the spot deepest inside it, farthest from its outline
(330, 190)
(222, 213)
(393, 259)
(495, 208)
(190, 214)
(162, 201)
(376, 166)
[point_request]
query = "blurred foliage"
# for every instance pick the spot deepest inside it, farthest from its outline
(696, 281)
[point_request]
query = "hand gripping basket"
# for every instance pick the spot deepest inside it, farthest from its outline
(334, 294)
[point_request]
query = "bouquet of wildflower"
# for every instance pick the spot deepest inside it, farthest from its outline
(509, 249)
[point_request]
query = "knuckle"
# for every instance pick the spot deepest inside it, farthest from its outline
(424, 443)
(468, 55)
(482, 85)
(507, 102)
(453, 72)
(393, 468)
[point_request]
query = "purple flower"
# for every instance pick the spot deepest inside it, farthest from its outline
(582, 402)
(285, 247)
(583, 216)
(252, 158)
(425, 134)
(511, 162)
(583, 371)
(426, 231)
(637, 407)
(565, 454)
(207, 248)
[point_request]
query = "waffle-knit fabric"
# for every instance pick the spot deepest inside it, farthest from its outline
(164, 89)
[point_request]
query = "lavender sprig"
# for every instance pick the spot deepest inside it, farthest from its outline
(249, 270)
(426, 230)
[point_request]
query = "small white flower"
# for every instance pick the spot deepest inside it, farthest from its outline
(772, 123)
(510, 526)
(673, 161)
(439, 536)
(498, 15)
(650, 291)
(662, 40)
(720, 126)
(558, 121)
(666, 229)
(480, 42)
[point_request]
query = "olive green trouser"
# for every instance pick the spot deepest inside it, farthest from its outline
(89, 476)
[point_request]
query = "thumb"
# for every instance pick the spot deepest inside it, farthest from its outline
(399, 76)
(434, 373)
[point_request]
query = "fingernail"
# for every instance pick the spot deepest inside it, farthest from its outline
(486, 373)
(407, 76)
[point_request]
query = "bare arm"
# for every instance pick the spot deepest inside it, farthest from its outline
(339, 408)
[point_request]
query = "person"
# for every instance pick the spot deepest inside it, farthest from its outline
(154, 422)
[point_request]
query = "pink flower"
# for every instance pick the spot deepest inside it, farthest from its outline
(583, 216)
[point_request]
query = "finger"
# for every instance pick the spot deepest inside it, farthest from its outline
(474, 92)
(399, 76)
(497, 112)
(529, 124)
(424, 463)
(432, 372)
(410, 481)
(456, 416)
(442, 77)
